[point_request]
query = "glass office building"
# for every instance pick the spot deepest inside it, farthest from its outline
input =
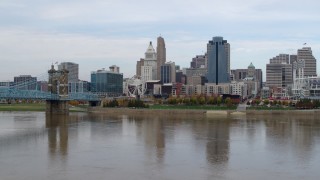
(107, 83)
(218, 61)
(168, 73)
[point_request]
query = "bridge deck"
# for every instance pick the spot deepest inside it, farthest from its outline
(9, 93)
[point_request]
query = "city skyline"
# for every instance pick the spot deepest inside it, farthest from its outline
(99, 34)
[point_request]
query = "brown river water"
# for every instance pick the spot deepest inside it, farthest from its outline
(84, 146)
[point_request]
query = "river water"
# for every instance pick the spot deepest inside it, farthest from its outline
(85, 146)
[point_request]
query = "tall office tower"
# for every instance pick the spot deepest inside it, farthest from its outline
(138, 66)
(161, 55)
(73, 69)
(310, 68)
(168, 73)
(149, 67)
(227, 49)
(218, 70)
(198, 62)
(279, 72)
(280, 59)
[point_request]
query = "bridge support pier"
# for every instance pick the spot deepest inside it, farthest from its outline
(57, 107)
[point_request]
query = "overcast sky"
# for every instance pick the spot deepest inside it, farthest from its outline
(97, 34)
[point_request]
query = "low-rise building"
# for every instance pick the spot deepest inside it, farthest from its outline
(265, 93)
(107, 83)
(214, 89)
(239, 88)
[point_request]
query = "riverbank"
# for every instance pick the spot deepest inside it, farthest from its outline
(34, 107)
(162, 111)
(284, 112)
(23, 107)
(133, 111)
(209, 113)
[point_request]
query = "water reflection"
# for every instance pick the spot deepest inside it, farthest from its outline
(17, 128)
(25, 117)
(212, 134)
(293, 135)
(57, 134)
(151, 130)
(106, 146)
(218, 141)
(104, 126)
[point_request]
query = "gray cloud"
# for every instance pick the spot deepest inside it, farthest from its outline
(97, 34)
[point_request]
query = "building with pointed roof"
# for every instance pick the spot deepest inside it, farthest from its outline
(251, 71)
(251, 77)
(149, 66)
(150, 53)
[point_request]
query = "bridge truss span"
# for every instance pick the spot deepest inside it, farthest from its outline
(8, 93)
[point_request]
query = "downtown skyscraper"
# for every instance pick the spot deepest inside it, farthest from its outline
(279, 72)
(310, 68)
(73, 69)
(218, 51)
(161, 55)
(149, 67)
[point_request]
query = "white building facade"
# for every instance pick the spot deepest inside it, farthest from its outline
(149, 69)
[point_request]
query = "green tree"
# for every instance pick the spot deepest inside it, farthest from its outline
(219, 100)
(186, 101)
(210, 100)
(316, 103)
(257, 101)
(179, 100)
(193, 100)
(305, 104)
(202, 100)
(228, 102)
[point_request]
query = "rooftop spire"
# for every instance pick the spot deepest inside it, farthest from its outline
(251, 65)
(150, 48)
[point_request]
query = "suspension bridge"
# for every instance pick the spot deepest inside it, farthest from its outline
(56, 96)
(12, 93)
